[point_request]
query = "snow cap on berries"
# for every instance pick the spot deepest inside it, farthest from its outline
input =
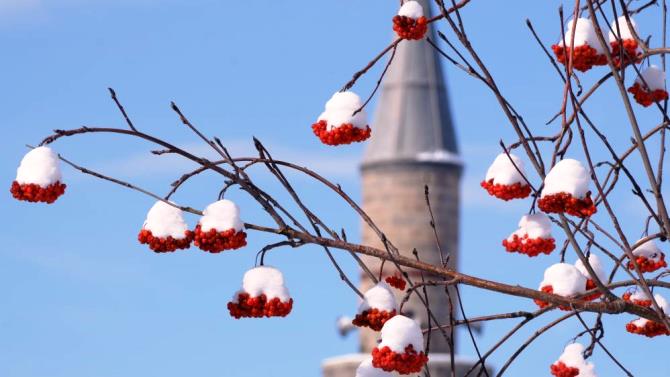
(640, 295)
(573, 356)
(653, 77)
(535, 226)
(568, 176)
(400, 332)
(649, 250)
(503, 172)
(411, 9)
(164, 220)
(624, 29)
(596, 265)
(565, 279)
(221, 216)
(366, 369)
(340, 109)
(265, 280)
(379, 297)
(40, 166)
(662, 304)
(585, 34)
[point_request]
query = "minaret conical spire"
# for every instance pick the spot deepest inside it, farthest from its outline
(412, 121)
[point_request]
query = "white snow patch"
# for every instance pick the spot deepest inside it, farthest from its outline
(340, 109)
(573, 356)
(624, 30)
(654, 78)
(648, 250)
(503, 172)
(535, 226)
(379, 297)
(164, 220)
(585, 34)
(597, 266)
(411, 9)
(222, 215)
(40, 166)
(367, 370)
(568, 176)
(565, 279)
(639, 295)
(399, 332)
(662, 303)
(264, 280)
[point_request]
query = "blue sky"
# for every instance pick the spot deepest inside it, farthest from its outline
(80, 297)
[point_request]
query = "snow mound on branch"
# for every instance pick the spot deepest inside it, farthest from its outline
(221, 216)
(164, 220)
(40, 166)
(662, 303)
(568, 176)
(400, 332)
(573, 356)
(565, 279)
(649, 250)
(585, 34)
(597, 266)
(265, 280)
(411, 9)
(536, 225)
(624, 30)
(653, 77)
(340, 109)
(379, 297)
(503, 172)
(639, 295)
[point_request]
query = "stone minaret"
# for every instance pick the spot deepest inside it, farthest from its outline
(413, 144)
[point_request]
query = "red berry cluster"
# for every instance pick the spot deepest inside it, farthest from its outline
(543, 304)
(373, 318)
(585, 57)
(344, 134)
(650, 329)
(647, 264)
(590, 284)
(630, 52)
(216, 242)
(31, 192)
(404, 363)
(165, 244)
(564, 202)
(410, 28)
(646, 97)
(396, 282)
(259, 307)
(529, 246)
(645, 303)
(506, 192)
(561, 370)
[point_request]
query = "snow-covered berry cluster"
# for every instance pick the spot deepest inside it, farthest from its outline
(626, 45)
(585, 47)
(378, 306)
(396, 281)
(263, 294)
(638, 297)
(344, 120)
(648, 257)
(410, 22)
(220, 228)
(533, 236)
(505, 178)
(165, 229)
(38, 177)
(649, 87)
(643, 326)
(562, 279)
(572, 363)
(566, 190)
(401, 347)
(597, 267)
